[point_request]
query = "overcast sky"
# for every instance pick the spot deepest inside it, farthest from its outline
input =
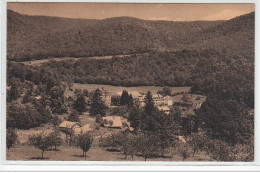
(172, 12)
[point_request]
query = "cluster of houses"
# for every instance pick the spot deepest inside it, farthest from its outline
(161, 102)
(116, 122)
(75, 127)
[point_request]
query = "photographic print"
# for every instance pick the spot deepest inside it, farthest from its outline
(130, 82)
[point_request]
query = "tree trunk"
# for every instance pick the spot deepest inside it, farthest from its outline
(42, 154)
(55, 148)
(85, 155)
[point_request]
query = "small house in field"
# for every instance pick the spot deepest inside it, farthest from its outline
(86, 128)
(112, 122)
(165, 109)
(69, 127)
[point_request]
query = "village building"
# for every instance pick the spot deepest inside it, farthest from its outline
(86, 128)
(165, 109)
(106, 97)
(112, 122)
(140, 100)
(69, 127)
(167, 100)
(158, 99)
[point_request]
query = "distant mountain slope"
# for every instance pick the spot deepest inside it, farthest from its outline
(37, 37)
(235, 36)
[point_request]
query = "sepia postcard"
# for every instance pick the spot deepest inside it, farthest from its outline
(130, 82)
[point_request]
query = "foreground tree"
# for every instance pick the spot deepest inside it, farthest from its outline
(40, 141)
(55, 139)
(194, 142)
(221, 151)
(85, 142)
(129, 145)
(11, 137)
(147, 144)
(231, 123)
(183, 151)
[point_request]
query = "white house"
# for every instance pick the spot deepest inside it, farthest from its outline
(158, 99)
(167, 100)
(106, 97)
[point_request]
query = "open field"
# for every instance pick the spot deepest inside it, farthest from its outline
(71, 153)
(114, 89)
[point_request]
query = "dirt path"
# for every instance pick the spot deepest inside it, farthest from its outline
(39, 62)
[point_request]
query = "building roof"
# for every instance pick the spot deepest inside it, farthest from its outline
(117, 123)
(157, 95)
(181, 138)
(86, 128)
(167, 97)
(163, 108)
(69, 124)
(134, 94)
(38, 97)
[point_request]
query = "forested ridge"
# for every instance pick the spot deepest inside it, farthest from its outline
(42, 37)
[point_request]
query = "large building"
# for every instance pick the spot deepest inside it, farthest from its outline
(158, 99)
(106, 97)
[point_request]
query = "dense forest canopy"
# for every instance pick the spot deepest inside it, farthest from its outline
(42, 37)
